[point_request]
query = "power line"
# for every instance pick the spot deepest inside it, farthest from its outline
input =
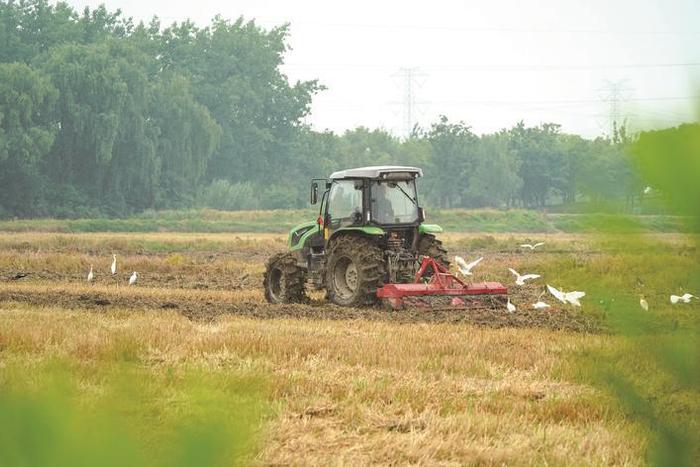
(471, 29)
(352, 104)
(563, 101)
(544, 67)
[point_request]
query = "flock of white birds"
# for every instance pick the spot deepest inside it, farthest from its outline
(571, 298)
(113, 270)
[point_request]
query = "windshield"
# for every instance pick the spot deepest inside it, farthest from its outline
(394, 202)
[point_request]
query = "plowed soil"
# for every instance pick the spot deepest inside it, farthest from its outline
(210, 309)
(204, 286)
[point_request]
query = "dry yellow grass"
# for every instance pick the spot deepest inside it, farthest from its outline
(362, 391)
(356, 392)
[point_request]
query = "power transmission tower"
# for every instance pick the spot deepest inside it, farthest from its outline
(409, 78)
(615, 94)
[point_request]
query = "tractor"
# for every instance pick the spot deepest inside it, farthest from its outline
(369, 243)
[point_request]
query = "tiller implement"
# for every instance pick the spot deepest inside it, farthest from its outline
(435, 286)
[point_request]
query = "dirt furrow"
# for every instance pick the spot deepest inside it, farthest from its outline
(213, 307)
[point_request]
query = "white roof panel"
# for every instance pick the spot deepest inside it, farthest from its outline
(374, 171)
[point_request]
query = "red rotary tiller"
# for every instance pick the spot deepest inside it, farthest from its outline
(441, 288)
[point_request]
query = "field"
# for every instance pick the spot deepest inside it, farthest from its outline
(279, 221)
(319, 384)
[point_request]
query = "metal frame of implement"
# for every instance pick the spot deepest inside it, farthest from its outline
(441, 283)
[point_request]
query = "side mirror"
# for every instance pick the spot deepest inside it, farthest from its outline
(314, 192)
(421, 215)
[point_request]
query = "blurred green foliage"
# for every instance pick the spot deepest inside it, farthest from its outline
(117, 413)
(654, 372)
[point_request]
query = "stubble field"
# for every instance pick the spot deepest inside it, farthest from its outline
(349, 386)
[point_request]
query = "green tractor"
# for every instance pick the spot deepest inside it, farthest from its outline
(370, 232)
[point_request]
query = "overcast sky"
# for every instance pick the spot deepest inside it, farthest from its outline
(487, 63)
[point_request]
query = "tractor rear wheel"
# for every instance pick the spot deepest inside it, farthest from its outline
(283, 280)
(355, 269)
(431, 246)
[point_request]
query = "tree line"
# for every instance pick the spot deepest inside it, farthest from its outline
(100, 116)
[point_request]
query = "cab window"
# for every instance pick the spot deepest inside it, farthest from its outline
(345, 200)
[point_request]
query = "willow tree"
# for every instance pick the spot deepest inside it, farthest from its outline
(188, 136)
(235, 70)
(26, 135)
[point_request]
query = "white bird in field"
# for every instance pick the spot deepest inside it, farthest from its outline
(520, 279)
(566, 297)
(90, 275)
(464, 267)
(647, 190)
(685, 298)
(540, 305)
(132, 279)
(643, 303)
(532, 247)
(113, 267)
(511, 308)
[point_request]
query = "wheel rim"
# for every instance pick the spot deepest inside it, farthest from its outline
(345, 278)
(276, 285)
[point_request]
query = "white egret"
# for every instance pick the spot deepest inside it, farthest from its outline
(90, 275)
(540, 305)
(511, 308)
(132, 279)
(464, 267)
(643, 303)
(685, 298)
(566, 297)
(530, 246)
(113, 267)
(520, 279)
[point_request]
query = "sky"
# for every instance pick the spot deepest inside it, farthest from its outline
(489, 63)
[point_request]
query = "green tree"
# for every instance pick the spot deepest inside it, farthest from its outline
(235, 70)
(106, 145)
(495, 181)
(26, 135)
(453, 158)
(188, 136)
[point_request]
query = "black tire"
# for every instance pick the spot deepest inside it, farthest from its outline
(431, 246)
(355, 269)
(284, 281)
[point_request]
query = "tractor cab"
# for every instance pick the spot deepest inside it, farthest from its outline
(382, 196)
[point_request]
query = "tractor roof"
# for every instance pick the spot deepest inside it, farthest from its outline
(375, 171)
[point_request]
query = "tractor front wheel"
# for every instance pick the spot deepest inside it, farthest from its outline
(354, 272)
(283, 280)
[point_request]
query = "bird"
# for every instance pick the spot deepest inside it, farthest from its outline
(511, 308)
(647, 190)
(90, 275)
(113, 267)
(465, 268)
(643, 303)
(132, 279)
(520, 279)
(540, 305)
(532, 247)
(566, 297)
(685, 298)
